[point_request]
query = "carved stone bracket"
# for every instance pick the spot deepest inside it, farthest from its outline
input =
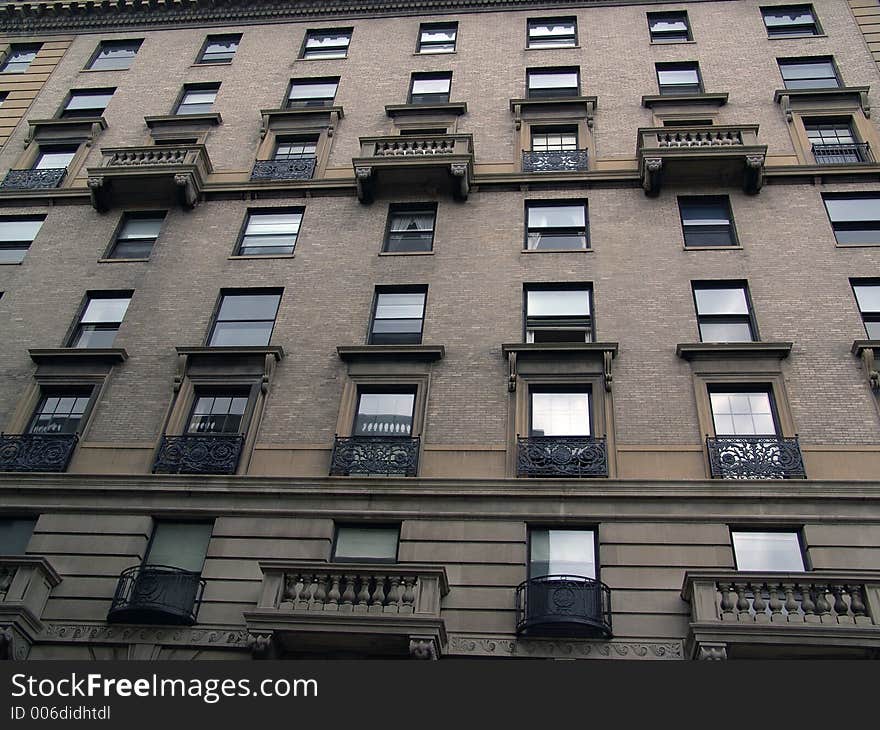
(364, 178)
(711, 652)
(423, 648)
(754, 177)
(7, 644)
(261, 645)
(460, 170)
(607, 350)
(607, 357)
(651, 176)
(865, 350)
(511, 373)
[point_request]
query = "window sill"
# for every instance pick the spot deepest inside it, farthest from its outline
(210, 63)
(275, 351)
(672, 43)
(553, 48)
(11, 263)
(268, 256)
(122, 261)
(72, 355)
(732, 350)
(445, 53)
(337, 58)
(557, 250)
(711, 248)
(654, 100)
(391, 352)
(103, 70)
(857, 245)
(406, 253)
(453, 108)
(859, 346)
(166, 120)
(557, 347)
(799, 36)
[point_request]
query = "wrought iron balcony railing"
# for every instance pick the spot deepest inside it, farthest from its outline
(157, 594)
(303, 169)
(561, 456)
(199, 454)
(563, 605)
(375, 455)
(557, 161)
(755, 457)
(36, 452)
(33, 179)
(842, 154)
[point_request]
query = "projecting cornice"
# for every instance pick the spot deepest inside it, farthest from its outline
(32, 18)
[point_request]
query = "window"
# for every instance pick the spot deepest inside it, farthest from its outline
(552, 33)
(60, 411)
(410, 228)
(366, 543)
(181, 545)
(295, 148)
(268, 233)
(114, 55)
(137, 234)
(386, 412)
(87, 103)
(437, 38)
(558, 314)
(867, 292)
(100, 320)
(312, 92)
(833, 142)
(556, 226)
(197, 99)
(245, 317)
(326, 43)
(19, 58)
(430, 88)
(554, 139)
(724, 311)
(743, 413)
(707, 221)
(217, 412)
(553, 82)
(398, 316)
(557, 412)
(679, 78)
(855, 218)
(219, 48)
(17, 233)
(809, 73)
(669, 27)
(55, 158)
(768, 551)
(15, 534)
(790, 20)
(562, 552)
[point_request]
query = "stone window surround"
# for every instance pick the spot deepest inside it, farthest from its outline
(575, 112)
(412, 376)
(317, 122)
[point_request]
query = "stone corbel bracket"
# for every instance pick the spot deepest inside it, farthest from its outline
(607, 350)
(865, 350)
(835, 98)
(753, 180)
(652, 175)
(584, 106)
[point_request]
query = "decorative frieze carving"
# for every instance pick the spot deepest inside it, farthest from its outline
(68, 633)
(475, 645)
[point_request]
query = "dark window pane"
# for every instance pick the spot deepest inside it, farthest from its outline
(242, 333)
(220, 49)
(725, 332)
(249, 306)
(180, 545)
(853, 209)
(366, 543)
(115, 55)
(15, 534)
(873, 330)
(96, 335)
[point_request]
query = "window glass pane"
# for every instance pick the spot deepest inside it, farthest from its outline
(206, 96)
(768, 551)
(558, 302)
(88, 100)
(322, 40)
(15, 535)
(438, 35)
(106, 309)
(366, 543)
(249, 306)
(853, 209)
(562, 552)
(679, 76)
(115, 55)
(430, 86)
(807, 70)
(141, 227)
(873, 330)
(787, 16)
(551, 29)
(384, 414)
(313, 90)
(54, 160)
(413, 221)
(721, 301)
(242, 333)
(868, 297)
(19, 230)
(269, 224)
(59, 413)
(180, 545)
(725, 332)
(553, 80)
(742, 414)
(668, 25)
(560, 414)
(400, 305)
(558, 216)
(12, 253)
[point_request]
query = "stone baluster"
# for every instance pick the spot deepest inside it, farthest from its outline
(348, 595)
(857, 605)
(823, 608)
(333, 595)
(808, 605)
(775, 604)
(363, 596)
(378, 602)
(840, 606)
(758, 603)
(742, 602)
(291, 589)
(305, 595)
(792, 609)
(392, 603)
(727, 604)
(409, 595)
(320, 594)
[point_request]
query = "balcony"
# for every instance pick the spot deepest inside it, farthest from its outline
(559, 161)
(33, 179)
(199, 454)
(36, 452)
(373, 609)
(161, 175)
(25, 584)
(754, 615)
(441, 160)
(843, 154)
(156, 594)
(375, 455)
(272, 170)
(561, 456)
(755, 457)
(728, 155)
(563, 605)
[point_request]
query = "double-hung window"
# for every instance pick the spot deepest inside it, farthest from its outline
(312, 92)
(562, 411)
(55, 157)
(867, 293)
(765, 552)
(384, 412)
(217, 412)
(430, 88)
(245, 317)
(86, 103)
(181, 545)
(790, 20)
(855, 217)
(817, 72)
(270, 232)
(556, 313)
(366, 543)
(552, 83)
(410, 228)
(197, 99)
(833, 142)
(707, 221)
(437, 38)
(219, 48)
(556, 226)
(60, 411)
(723, 311)
(743, 412)
(669, 27)
(331, 43)
(562, 552)
(114, 55)
(552, 32)
(295, 148)
(554, 139)
(100, 319)
(398, 316)
(137, 235)
(17, 233)
(679, 78)
(19, 58)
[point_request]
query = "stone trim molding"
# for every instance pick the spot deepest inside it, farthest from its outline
(496, 646)
(70, 633)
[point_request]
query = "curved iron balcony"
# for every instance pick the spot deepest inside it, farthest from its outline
(755, 457)
(379, 455)
(555, 161)
(34, 179)
(199, 454)
(563, 605)
(561, 456)
(157, 594)
(36, 451)
(842, 154)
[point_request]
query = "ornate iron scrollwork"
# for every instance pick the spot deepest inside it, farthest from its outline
(755, 457)
(157, 594)
(302, 169)
(199, 454)
(33, 179)
(392, 456)
(562, 456)
(571, 605)
(36, 452)
(562, 161)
